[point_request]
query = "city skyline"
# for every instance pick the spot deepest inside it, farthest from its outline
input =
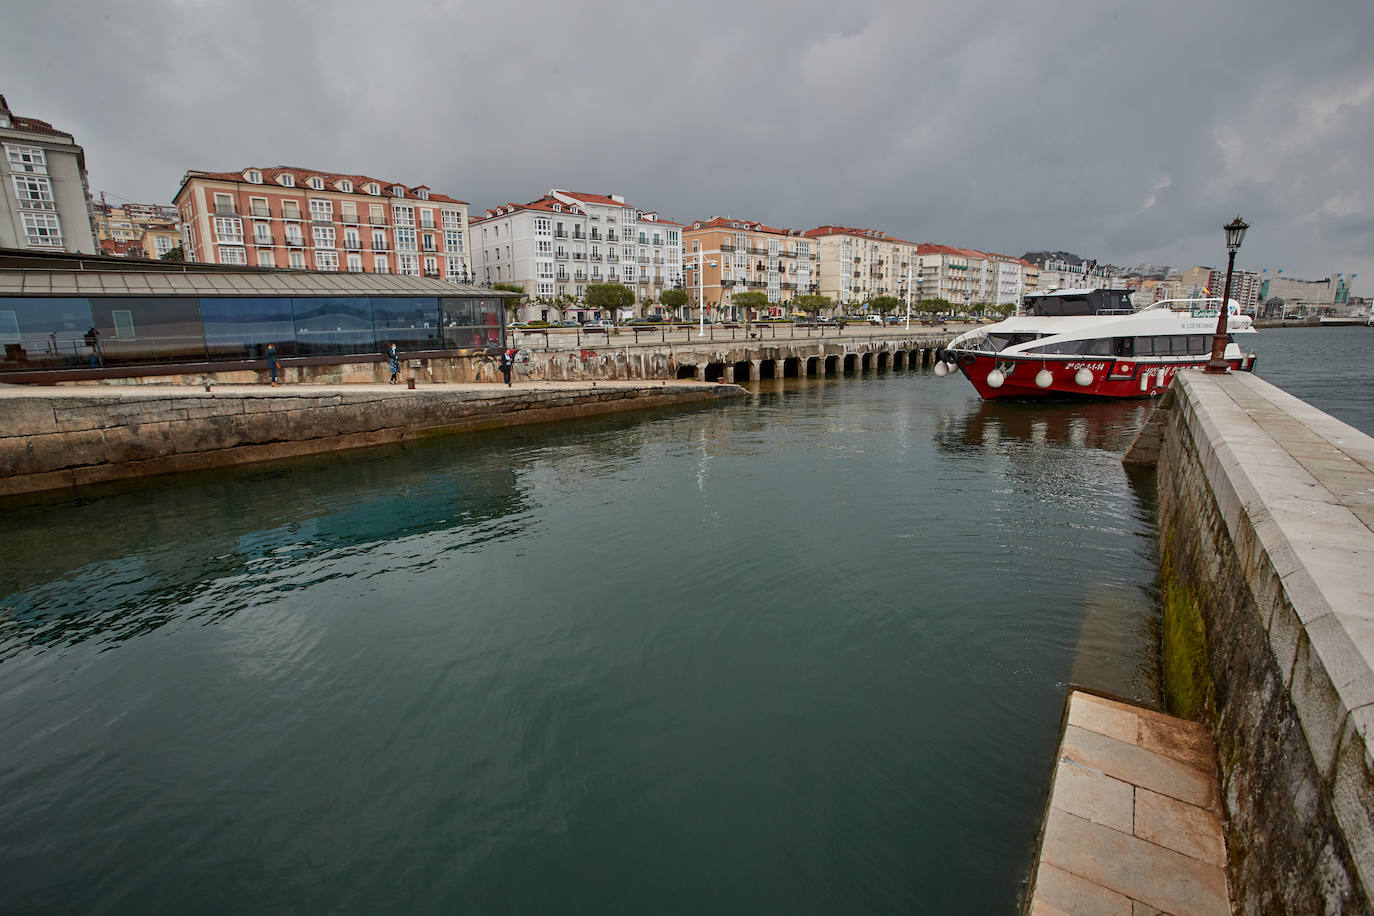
(1127, 135)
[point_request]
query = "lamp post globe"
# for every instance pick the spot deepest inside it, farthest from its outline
(1235, 234)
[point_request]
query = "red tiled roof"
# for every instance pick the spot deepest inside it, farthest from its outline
(601, 199)
(725, 222)
(303, 176)
(874, 234)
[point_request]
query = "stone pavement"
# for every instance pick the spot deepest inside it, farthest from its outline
(1134, 821)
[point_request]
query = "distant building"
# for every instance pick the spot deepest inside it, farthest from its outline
(739, 255)
(855, 265)
(558, 245)
(44, 196)
(1330, 296)
(309, 220)
(127, 223)
(1064, 270)
(157, 242)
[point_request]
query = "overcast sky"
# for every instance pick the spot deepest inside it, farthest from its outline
(1124, 132)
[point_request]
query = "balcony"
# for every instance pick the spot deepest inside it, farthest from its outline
(560, 234)
(561, 254)
(613, 258)
(727, 246)
(786, 285)
(579, 276)
(260, 212)
(594, 236)
(596, 257)
(348, 219)
(265, 241)
(290, 213)
(644, 259)
(226, 210)
(611, 237)
(352, 245)
(727, 282)
(381, 245)
(579, 256)
(377, 220)
(427, 224)
(295, 241)
(562, 277)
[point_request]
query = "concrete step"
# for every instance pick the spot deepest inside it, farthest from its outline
(1134, 823)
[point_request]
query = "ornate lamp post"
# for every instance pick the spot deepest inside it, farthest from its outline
(1235, 234)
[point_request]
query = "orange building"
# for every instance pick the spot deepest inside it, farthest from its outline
(289, 217)
(724, 256)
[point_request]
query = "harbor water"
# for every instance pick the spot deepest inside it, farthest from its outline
(806, 652)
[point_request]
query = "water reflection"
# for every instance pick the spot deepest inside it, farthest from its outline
(208, 545)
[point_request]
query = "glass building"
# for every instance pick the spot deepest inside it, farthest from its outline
(93, 314)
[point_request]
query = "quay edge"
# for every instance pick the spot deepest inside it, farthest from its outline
(1265, 533)
(59, 438)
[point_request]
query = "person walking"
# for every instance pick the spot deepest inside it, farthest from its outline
(507, 364)
(272, 364)
(393, 362)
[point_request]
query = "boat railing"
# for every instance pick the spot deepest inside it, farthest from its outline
(1114, 312)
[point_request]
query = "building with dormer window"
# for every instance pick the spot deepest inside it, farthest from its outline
(557, 246)
(308, 220)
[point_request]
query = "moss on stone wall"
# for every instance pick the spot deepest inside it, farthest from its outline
(1188, 690)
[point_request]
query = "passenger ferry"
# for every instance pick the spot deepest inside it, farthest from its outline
(1095, 343)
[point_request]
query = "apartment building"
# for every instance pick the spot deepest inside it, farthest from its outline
(1059, 270)
(127, 222)
(856, 265)
(45, 200)
(557, 246)
(157, 242)
(309, 220)
(724, 256)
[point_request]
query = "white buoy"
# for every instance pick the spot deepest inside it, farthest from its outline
(941, 369)
(1083, 377)
(996, 378)
(1044, 378)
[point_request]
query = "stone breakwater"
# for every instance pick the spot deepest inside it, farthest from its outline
(1266, 507)
(55, 438)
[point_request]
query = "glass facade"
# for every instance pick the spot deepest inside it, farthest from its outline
(50, 332)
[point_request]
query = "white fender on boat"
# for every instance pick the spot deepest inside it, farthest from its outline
(1044, 378)
(1084, 377)
(941, 369)
(996, 378)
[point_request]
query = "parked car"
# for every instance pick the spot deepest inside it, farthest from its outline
(636, 322)
(603, 327)
(516, 325)
(895, 319)
(565, 324)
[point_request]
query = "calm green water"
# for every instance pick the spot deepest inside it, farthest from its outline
(805, 653)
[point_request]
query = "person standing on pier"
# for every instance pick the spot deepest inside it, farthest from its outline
(393, 362)
(272, 364)
(507, 363)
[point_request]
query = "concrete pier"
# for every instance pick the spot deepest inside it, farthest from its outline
(1267, 542)
(58, 437)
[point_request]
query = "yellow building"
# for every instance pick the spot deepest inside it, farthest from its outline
(857, 265)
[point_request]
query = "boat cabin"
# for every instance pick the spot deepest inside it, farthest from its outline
(1080, 302)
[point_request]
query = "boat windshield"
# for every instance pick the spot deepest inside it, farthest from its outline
(1080, 302)
(985, 342)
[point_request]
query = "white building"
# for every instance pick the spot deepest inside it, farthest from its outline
(557, 246)
(44, 196)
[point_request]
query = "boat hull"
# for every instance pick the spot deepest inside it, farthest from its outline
(1107, 377)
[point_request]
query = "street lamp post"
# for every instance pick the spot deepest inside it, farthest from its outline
(1235, 234)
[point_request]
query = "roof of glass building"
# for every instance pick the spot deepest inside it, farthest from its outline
(24, 273)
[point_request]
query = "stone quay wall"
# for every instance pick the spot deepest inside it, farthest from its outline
(68, 437)
(1266, 508)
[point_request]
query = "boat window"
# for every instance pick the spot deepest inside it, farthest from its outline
(1124, 346)
(999, 342)
(1101, 346)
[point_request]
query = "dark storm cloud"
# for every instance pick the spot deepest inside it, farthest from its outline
(1123, 132)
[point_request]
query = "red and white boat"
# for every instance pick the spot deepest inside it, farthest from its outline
(1093, 343)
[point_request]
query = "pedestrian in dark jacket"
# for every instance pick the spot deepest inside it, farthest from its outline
(507, 364)
(393, 362)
